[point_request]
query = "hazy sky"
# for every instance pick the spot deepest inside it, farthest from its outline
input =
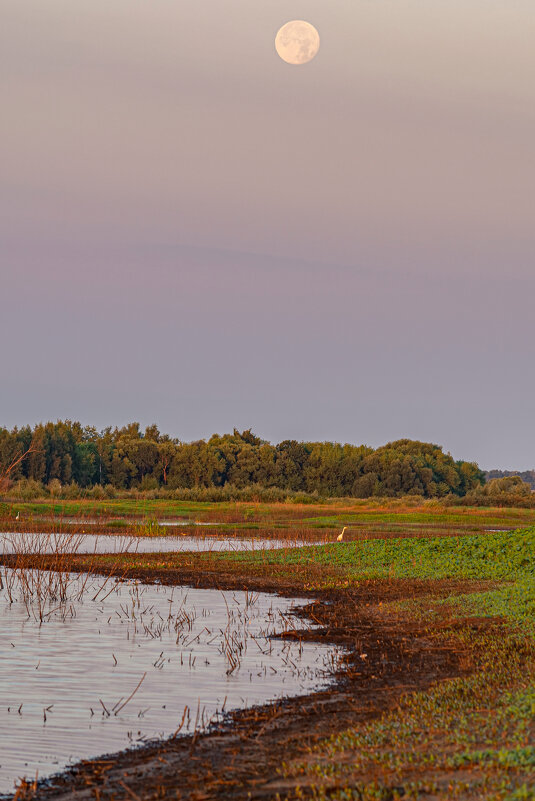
(195, 233)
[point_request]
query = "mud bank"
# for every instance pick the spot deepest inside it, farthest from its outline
(241, 758)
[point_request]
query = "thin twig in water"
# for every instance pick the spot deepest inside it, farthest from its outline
(132, 693)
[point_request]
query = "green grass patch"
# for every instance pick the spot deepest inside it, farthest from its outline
(467, 738)
(500, 555)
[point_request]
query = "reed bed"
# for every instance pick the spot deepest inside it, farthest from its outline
(38, 573)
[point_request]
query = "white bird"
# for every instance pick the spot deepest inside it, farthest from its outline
(18, 516)
(340, 537)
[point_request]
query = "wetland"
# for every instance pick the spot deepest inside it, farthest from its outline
(72, 657)
(415, 668)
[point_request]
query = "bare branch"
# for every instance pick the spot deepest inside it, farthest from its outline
(4, 475)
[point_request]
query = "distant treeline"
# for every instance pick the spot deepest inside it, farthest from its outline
(67, 453)
(526, 475)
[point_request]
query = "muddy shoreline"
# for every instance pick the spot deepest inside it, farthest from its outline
(241, 758)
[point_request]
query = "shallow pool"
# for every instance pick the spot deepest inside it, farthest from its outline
(69, 666)
(114, 543)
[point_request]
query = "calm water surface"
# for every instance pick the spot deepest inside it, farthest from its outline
(112, 543)
(64, 679)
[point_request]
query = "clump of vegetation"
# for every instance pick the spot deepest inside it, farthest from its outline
(506, 491)
(526, 475)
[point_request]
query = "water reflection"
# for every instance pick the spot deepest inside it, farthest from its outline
(65, 684)
(113, 543)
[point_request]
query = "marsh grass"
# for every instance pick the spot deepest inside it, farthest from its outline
(367, 518)
(467, 738)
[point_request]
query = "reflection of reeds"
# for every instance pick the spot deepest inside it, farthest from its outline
(136, 610)
(39, 574)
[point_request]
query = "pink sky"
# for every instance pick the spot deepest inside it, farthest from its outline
(194, 233)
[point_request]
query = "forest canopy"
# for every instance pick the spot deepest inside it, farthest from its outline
(67, 453)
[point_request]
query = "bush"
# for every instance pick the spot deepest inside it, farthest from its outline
(255, 493)
(54, 487)
(97, 493)
(303, 497)
(27, 489)
(508, 491)
(70, 492)
(149, 483)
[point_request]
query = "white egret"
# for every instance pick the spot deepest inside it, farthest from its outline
(340, 537)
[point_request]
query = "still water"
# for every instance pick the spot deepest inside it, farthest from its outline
(69, 664)
(112, 543)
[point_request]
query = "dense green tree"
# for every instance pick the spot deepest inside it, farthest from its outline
(195, 464)
(291, 461)
(332, 469)
(65, 452)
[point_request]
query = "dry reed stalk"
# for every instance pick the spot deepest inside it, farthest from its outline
(39, 574)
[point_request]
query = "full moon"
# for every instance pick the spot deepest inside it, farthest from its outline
(297, 42)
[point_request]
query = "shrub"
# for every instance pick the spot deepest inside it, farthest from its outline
(72, 491)
(54, 487)
(507, 491)
(27, 489)
(97, 492)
